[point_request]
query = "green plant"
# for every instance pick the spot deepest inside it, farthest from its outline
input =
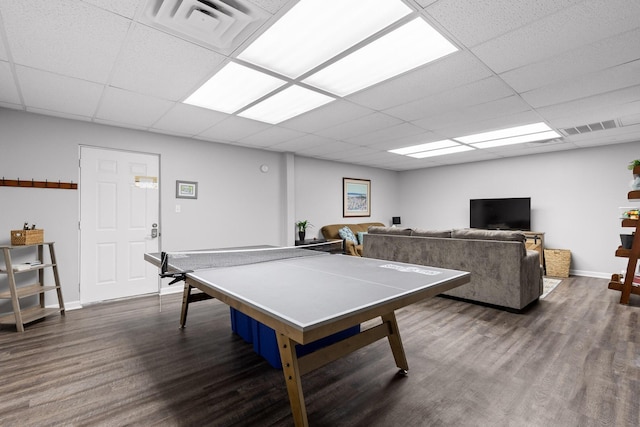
(302, 225)
(633, 164)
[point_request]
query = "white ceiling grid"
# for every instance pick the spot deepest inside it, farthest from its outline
(565, 62)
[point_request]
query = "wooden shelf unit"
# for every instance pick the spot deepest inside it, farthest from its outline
(627, 287)
(15, 292)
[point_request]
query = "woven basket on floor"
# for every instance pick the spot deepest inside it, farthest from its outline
(557, 262)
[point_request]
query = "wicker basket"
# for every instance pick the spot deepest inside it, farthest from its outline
(26, 237)
(557, 262)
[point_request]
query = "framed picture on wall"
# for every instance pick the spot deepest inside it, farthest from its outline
(186, 190)
(356, 197)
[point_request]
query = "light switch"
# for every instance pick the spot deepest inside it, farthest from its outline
(178, 208)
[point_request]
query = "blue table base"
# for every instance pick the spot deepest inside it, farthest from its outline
(265, 342)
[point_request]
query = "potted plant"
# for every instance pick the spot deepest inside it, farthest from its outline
(635, 185)
(302, 228)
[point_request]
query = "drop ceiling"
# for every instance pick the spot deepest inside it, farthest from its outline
(571, 64)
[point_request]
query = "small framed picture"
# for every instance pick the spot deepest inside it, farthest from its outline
(186, 190)
(356, 197)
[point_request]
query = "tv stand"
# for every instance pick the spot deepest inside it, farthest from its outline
(535, 242)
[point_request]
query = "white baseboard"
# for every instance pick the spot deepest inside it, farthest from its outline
(174, 289)
(584, 273)
(72, 305)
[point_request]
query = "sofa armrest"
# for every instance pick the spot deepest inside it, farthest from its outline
(531, 280)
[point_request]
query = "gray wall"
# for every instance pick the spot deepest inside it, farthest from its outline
(575, 197)
(237, 204)
(318, 193)
(575, 194)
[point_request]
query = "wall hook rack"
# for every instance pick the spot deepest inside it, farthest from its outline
(38, 184)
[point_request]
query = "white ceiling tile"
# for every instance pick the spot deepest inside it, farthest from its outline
(8, 90)
(188, 120)
(360, 126)
(465, 157)
(65, 37)
(233, 128)
(126, 8)
(329, 115)
(326, 147)
(130, 108)
(612, 79)
(271, 6)
(463, 128)
(476, 113)
(473, 22)
(531, 148)
(586, 59)
(120, 124)
(449, 72)
(305, 142)
(425, 3)
(59, 114)
(606, 106)
(472, 94)
(271, 136)
(569, 29)
(58, 93)
(384, 137)
(160, 65)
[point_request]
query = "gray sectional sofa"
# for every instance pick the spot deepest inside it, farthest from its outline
(503, 272)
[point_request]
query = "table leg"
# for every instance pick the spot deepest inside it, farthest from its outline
(291, 373)
(185, 304)
(396, 342)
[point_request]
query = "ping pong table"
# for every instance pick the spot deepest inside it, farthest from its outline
(306, 298)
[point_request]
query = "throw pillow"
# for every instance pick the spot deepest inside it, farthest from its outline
(346, 233)
(361, 237)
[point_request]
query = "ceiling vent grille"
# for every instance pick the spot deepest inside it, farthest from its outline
(220, 24)
(592, 127)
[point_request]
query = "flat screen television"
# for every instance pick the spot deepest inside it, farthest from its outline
(500, 214)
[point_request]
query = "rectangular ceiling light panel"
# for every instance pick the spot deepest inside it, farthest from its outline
(424, 147)
(314, 31)
(288, 103)
(504, 133)
(441, 152)
(232, 88)
(541, 136)
(409, 46)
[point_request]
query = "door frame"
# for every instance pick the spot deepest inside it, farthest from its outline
(159, 238)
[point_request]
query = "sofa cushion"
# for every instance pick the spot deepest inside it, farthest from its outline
(502, 235)
(418, 232)
(346, 233)
(390, 230)
(361, 236)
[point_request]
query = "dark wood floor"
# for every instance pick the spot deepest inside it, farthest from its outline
(572, 360)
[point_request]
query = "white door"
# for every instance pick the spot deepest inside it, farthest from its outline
(119, 223)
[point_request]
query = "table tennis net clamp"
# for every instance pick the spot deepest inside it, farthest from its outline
(177, 276)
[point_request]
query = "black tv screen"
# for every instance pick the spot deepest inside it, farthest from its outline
(500, 214)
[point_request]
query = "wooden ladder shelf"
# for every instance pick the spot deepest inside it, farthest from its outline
(15, 292)
(627, 286)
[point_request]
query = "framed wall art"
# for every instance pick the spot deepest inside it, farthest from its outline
(186, 190)
(356, 197)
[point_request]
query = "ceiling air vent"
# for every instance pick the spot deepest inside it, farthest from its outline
(592, 127)
(220, 24)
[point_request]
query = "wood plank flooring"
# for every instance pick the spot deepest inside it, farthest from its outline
(573, 359)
